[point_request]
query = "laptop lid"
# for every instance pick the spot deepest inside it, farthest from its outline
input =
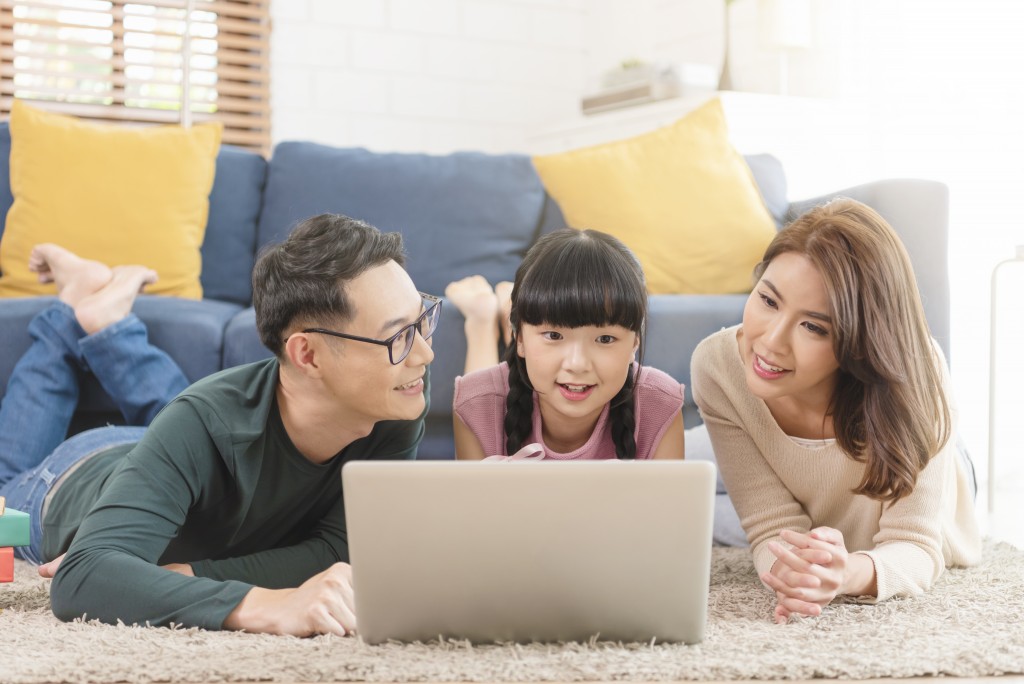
(520, 551)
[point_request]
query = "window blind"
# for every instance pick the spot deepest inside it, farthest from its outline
(145, 61)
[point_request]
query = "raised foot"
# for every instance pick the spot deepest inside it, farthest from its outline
(113, 302)
(74, 276)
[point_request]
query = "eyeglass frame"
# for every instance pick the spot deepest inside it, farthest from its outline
(389, 342)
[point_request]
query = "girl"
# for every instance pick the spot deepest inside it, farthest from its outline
(829, 416)
(570, 382)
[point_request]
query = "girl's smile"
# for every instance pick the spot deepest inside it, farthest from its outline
(575, 392)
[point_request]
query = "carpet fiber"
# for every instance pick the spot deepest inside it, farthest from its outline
(971, 624)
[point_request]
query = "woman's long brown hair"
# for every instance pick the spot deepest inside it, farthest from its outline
(889, 409)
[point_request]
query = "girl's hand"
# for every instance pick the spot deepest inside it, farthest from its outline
(810, 575)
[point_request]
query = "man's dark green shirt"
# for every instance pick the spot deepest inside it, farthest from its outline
(217, 483)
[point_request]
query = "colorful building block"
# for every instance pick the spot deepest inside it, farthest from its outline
(6, 564)
(14, 529)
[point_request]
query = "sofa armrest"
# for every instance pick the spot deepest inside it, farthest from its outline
(919, 211)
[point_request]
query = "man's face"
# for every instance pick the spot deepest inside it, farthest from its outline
(361, 374)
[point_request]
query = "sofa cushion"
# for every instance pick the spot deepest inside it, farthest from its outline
(190, 331)
(229, 246)
(242, 341)
(771, 182)
(766, 169)
(680, 197)
(118, 194)
(460, 214)
(229, 249)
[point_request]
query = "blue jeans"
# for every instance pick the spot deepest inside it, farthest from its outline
(42, 395)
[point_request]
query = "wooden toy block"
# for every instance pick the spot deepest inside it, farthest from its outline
(6, 564)
(14, 526)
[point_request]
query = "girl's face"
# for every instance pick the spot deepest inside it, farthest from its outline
(786, 343)
(576, 371)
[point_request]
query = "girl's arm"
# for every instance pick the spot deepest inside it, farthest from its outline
(672, 444)
(467, 446)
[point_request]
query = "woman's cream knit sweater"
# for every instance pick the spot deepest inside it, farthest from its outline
(777, 484)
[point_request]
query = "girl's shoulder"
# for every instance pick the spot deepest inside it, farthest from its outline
(492, 380)
(652, 380)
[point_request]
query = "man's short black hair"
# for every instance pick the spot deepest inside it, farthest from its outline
(302, 280)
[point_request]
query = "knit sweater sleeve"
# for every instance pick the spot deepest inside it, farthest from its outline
(737, 430)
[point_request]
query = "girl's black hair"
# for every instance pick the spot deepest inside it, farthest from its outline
(570, 279)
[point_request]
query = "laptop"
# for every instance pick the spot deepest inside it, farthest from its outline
(530, 551)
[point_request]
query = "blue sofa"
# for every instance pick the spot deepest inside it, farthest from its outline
(460, 214)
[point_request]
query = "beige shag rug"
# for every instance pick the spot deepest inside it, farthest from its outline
(970, 625)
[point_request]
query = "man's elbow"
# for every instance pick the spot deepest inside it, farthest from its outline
(66, 604)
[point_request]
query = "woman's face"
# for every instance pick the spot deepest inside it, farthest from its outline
(786, 343)
(576, 371)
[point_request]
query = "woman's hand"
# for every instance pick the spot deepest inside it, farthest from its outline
(810, 575)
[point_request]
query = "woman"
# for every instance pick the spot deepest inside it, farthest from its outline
(829, 414)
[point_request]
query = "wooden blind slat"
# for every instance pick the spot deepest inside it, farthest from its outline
(249, 28)
(226, 109)
(233, 136)
(252, 10)
(226, 75)
(103, 112)
(7, 37)
(248, 10)
(228, 57)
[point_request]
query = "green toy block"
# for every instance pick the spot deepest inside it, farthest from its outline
(6, 564)
(14, 528)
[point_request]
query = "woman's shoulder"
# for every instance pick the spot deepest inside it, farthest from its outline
(489, 381)
(716, 348)
(715, 368)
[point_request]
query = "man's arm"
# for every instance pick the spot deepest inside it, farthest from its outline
(110, 572)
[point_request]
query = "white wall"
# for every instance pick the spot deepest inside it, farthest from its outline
(424, 75)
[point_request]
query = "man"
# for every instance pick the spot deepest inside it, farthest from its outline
(235, 486)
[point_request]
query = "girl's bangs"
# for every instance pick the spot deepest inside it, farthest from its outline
(569, 297)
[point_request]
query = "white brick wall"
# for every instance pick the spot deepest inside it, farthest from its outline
(442, 75)
(425, 75)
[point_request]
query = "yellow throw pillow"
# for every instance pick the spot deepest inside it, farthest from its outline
(681, 197)
(115, 194)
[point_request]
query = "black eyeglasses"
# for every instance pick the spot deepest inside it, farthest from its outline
(400, 344)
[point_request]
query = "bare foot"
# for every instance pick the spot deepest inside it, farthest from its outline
(48, 570)
(114, 300)
(75, 277)
(503, 290)
(474, 298)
